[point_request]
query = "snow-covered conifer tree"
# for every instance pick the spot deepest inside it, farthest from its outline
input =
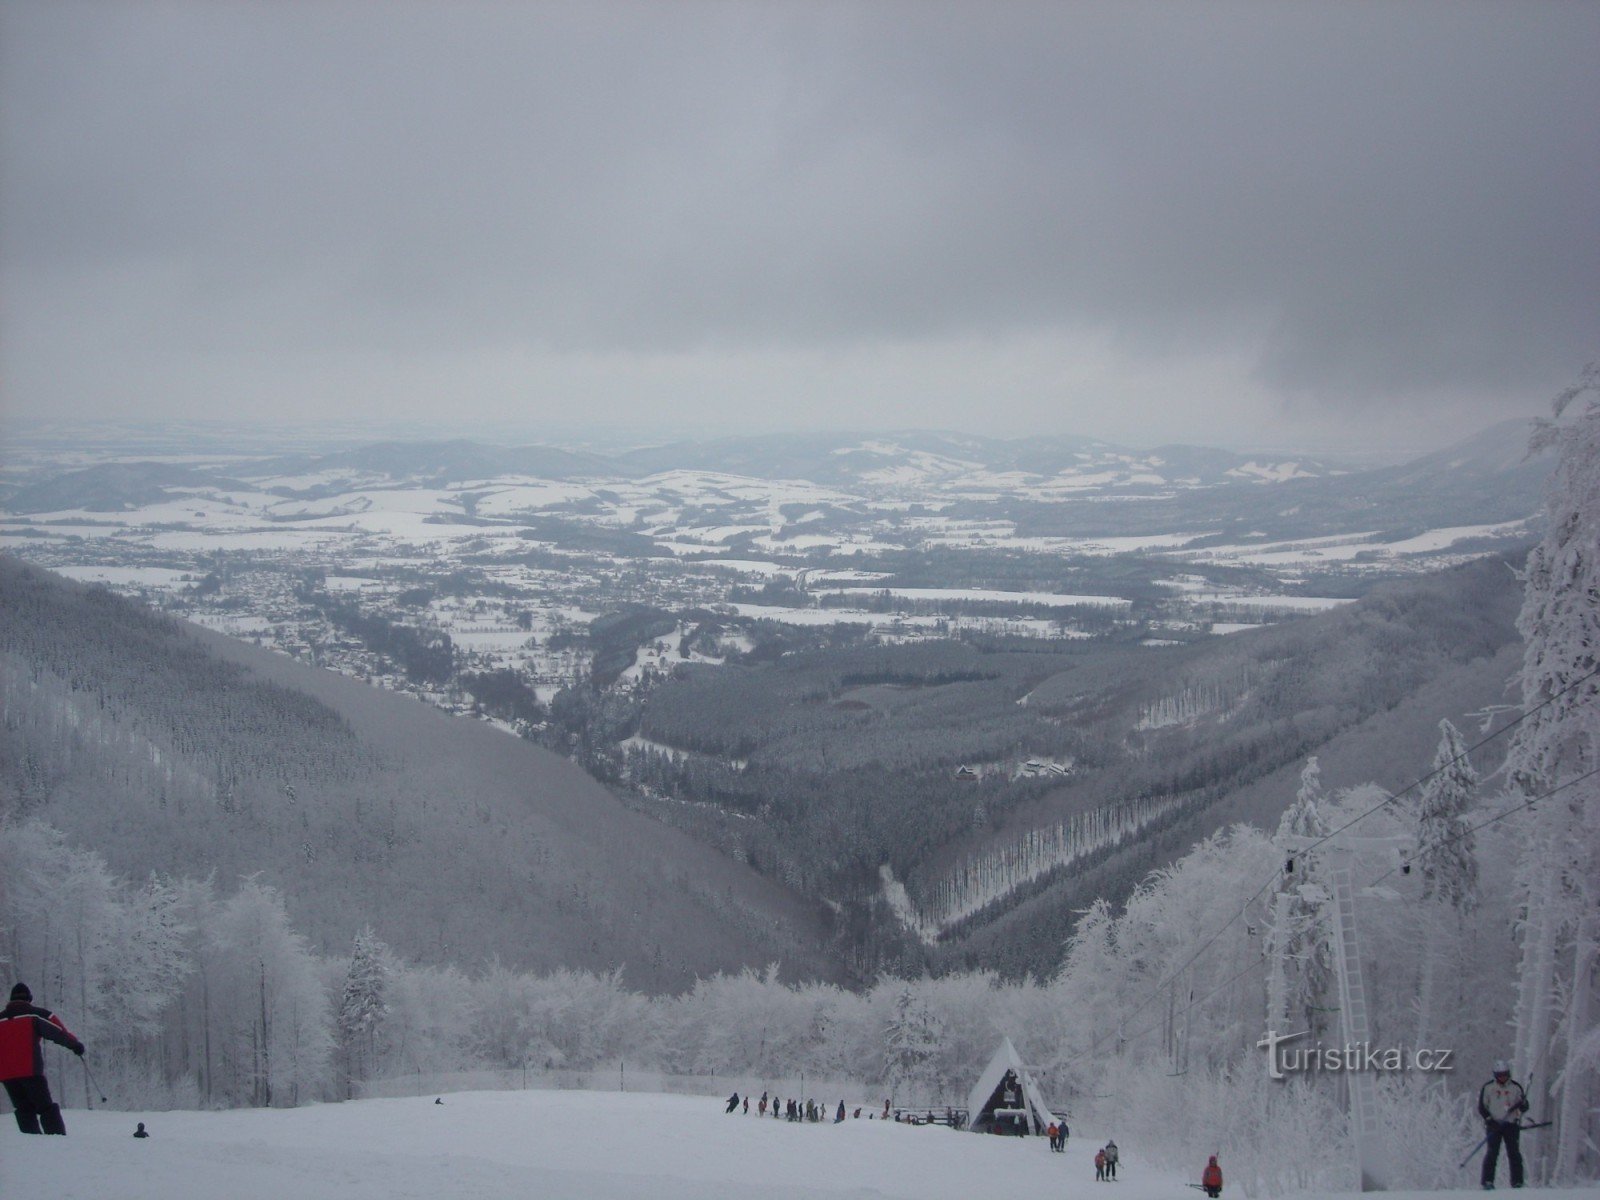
(1301, 817)
(1557, 1051)
(363, 1005)
(1445, 855)
(910, 1043)
(1302, 962)
(1447, 860)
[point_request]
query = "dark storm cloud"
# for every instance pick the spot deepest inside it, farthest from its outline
(1352, 201)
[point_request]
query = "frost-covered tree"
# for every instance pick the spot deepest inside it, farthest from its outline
(1189, 925)
(274, 1025)
(1302, 818)
(1557, 1049)
(362, 1005)
(1089, 980)
(911, 1043)
(1301, 960)
(425, 1030)
(1446, 858)
(746, 1022)
(109, 955)
(1445, 855)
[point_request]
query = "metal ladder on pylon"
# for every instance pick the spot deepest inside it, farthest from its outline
(1353, 1024)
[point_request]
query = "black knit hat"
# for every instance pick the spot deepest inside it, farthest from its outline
(21, 992)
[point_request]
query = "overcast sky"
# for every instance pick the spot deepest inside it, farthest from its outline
(1332, 225)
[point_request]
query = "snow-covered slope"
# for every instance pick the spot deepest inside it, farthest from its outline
(559, 1145)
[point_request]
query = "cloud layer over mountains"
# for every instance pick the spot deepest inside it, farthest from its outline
(1086, 217)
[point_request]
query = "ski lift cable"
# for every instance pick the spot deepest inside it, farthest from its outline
(1442, 767)
(1189, 961)
(1468, 832)
(1192, 1005)
(1481, 742)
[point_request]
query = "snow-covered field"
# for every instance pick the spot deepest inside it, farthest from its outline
(1054, 599)
(476, 1145)
(554, 1145)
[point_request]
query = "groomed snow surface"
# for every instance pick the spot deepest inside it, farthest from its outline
(552, 1145)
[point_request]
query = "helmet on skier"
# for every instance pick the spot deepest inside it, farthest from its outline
(1502, 1067)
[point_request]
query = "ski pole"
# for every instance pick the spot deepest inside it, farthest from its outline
(1473, 1153)
(89, 1075)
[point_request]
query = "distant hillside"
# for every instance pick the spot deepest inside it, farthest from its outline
(171, 749)
(109, 487)
(1048, 486)
(1220, 731)
(922, 458)
(1006, 786)
(460, 461)
(1486, 479)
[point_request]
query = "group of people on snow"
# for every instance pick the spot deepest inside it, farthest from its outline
(1105, 1163)
(25, 1026)
(795, 1110)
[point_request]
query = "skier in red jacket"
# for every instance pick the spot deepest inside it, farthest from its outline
(22, 1026)
(1211, 1179)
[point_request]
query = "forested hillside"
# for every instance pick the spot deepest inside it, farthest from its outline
(986, 776)
(942, 804)
(173, 750)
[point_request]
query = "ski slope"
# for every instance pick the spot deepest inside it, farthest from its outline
(553, 1145)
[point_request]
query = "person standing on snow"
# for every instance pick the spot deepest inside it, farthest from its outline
(1099, 1166)
(1501, 1103)
(22, 1026)
(1111, 1160)
(1211, 1179)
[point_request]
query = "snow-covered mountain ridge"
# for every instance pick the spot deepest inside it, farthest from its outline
(915, 465)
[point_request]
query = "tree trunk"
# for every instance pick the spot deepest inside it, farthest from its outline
(1536, 977)
(1425, 985)
(1277, 985)
(1570, 1129)
(266, 1046)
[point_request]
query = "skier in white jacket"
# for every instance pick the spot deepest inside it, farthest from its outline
(1501, 1103)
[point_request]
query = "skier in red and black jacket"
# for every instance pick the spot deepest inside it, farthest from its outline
(22, 1026)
